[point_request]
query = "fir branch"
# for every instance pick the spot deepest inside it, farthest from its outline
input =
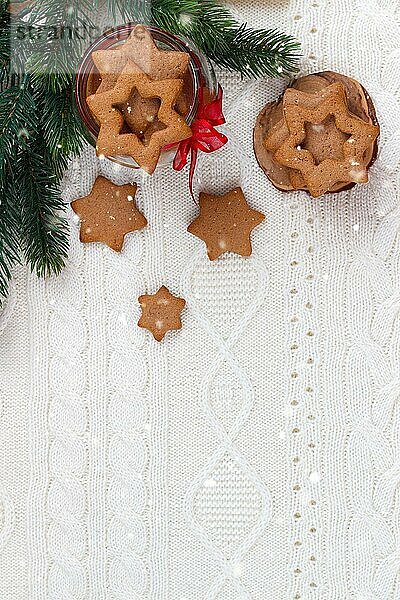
(251, 52)
(4, 43)
(31, 164)
(63, 130)
(9, 232)
(18, 122)
(44, 230)
(57, 44)
(69, 14)
(230, 45)
(185, 14)
(14, 132)
(138, 11)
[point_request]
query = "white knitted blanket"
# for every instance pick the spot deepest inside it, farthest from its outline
(255, 455)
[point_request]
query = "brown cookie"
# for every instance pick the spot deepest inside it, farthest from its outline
(225, 223)
(108, 213)
(161, 312)
(139, 113)
(167, 128)
(158, 64)
(141, 49)
(323, 140)
(346, 139)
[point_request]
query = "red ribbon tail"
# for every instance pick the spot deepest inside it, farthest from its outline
(205, 138)
(181, 156)
(193, 162)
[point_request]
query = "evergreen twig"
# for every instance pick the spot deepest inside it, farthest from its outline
(62, 128)
(17, 123)
(18, 120)
(9, 232)
(44, 230)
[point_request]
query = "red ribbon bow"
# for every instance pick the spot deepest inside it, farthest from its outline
(205, 137)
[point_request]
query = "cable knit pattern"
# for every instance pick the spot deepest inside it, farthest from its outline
(127, 417)
(7, 517)
(227, 505)
(7, 509)
(67, 425)
(7, 306)
(304, 405)
(374, 330)
(255, 454)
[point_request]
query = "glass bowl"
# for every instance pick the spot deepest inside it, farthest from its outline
(200, 81)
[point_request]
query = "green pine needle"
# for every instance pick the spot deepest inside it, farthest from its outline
(63, 130)
(276, 52)
(9, 232)
(4, 44)
(14, 125)
(18, 122)
(44, 230)
(138, 11)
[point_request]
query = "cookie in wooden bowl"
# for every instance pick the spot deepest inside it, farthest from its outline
(320, 136)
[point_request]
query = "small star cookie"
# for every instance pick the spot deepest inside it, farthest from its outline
(161, 312)
(225, 223)
(108, 213)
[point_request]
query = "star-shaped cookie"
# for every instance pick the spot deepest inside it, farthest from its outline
(300, 109)
(146, 152)
(140, 48)
(225, 223)
(161, 312)
(108, 213)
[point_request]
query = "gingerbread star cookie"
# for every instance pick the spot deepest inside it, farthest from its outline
(141, 49)
(315, 141)
(108, 213)
(161, 312)
(168, 127)
(158, 64)
(225, 223)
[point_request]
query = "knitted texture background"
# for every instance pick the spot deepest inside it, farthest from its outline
(255, 455)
